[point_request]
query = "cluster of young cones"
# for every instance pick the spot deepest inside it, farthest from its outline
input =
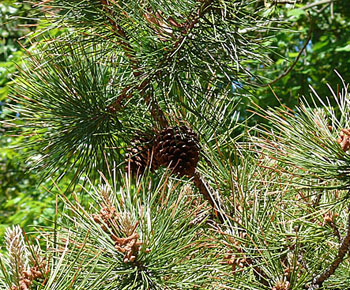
(34, 273)
(116, 224)
(27, 266)
(176, 148)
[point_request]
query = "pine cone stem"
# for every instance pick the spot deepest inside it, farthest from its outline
(204, 190)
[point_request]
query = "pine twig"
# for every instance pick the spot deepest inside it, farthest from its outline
(120, 32)
(205, 191)
(157, 113)
(343, 250)
(191, 23)
(335, 230)
(259, 274)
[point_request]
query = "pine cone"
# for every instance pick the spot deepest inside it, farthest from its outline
(177, 148)
(139, 155)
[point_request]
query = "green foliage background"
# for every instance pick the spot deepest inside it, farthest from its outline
(327, 51)
(22, 201)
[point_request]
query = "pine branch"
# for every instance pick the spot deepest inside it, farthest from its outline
(120, 32)
(144, 87)
(191, 23)
(157, 113)
(304, 139)
(343, 250)
(158, 242)
(335, 230)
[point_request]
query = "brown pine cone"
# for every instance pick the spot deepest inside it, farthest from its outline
(139, 154)
(177, 148)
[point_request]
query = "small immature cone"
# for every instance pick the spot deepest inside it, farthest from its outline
(344, 139)
(17, 252)
(281, 285)
(115, 223)
(329, 217)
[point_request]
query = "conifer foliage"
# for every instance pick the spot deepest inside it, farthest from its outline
(132, 102)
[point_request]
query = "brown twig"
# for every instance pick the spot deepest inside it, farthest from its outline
(343, 249)
(157, 113)
(259, 274)
(119, 31)
(209, 196)
(194, 19)
(335, 230)
(203, 188)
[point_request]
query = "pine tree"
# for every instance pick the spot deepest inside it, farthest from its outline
(133, 102)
